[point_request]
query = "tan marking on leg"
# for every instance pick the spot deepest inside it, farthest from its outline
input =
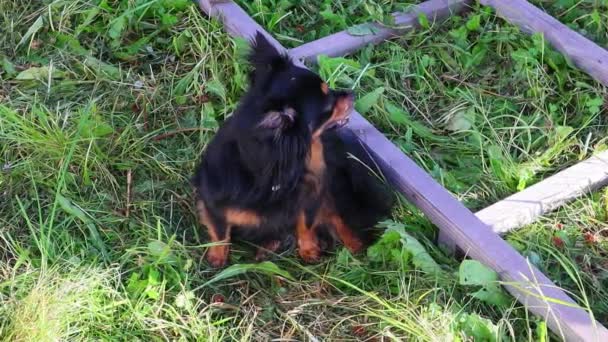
(308, 244)
(203, 215)
(346, 234)
(217, 256)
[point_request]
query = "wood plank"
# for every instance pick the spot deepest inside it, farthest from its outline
(238, 23)
(343, 43)
(581, 51)
(476, 239)
(526, 206)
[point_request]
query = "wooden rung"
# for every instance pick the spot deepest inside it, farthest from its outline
(473, 237)
(343, 43)
(526, 206)
(581, 51)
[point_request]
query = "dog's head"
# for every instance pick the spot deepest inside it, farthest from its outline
(290, 99)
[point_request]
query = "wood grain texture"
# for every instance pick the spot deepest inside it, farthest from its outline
(343, 43)
(526, 206)
(474, 237)
(585, 54)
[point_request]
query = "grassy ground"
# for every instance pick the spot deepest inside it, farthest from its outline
(588, 17)
(105, 107)
(297, 22)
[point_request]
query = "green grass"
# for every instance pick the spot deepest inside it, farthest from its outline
(484, 108)
(570, 247)
(588, 17)
(105, 107)
(297, 22)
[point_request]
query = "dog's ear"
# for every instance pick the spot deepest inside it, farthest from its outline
(278, 119)
(265, 58)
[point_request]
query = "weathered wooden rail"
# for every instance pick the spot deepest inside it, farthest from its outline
(472, 233)
(343, 43)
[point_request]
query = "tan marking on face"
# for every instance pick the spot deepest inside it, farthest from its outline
(241, 217)
(341, 110)
(325, 88)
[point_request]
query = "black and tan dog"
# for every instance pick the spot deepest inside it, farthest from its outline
(276, 168)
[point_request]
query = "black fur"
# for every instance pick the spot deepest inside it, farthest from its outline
(355, 182)
(258, 158)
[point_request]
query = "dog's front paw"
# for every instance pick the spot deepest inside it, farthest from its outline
(267, 249)
(355, 246)
(310, 254)
(217, 256)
